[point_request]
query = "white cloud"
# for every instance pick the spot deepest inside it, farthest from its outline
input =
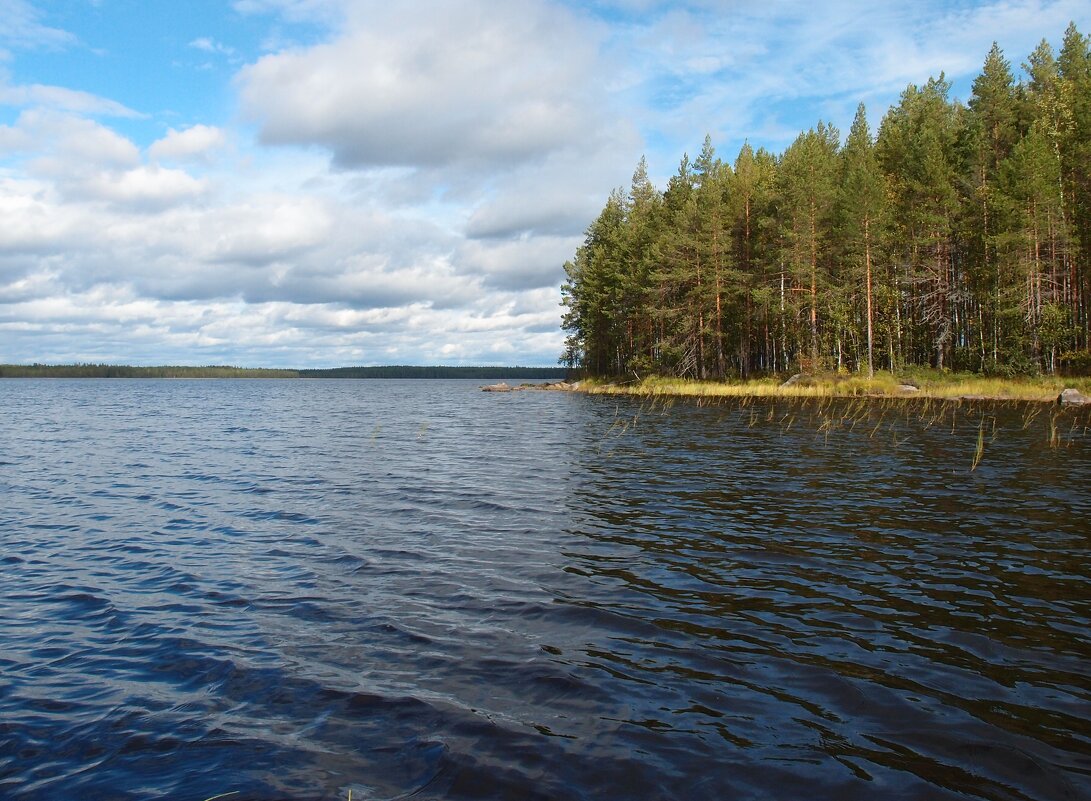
(142, 188)
(210, 45)
(430, 84)
(264, 230)
(22, 27)
(74, 143)
(60, 98)
(198, 142)
(764, 71)
(33, 225)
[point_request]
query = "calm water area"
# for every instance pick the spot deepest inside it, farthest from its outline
(412, 589)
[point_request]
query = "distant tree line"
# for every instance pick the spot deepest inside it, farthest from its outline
(406, 371)
(959, 237)
(127, 371)
(403, 371)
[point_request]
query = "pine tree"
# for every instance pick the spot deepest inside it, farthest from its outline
(1074, 65)
(806, 189)
(679, 277)
(712, 182)
(593, 291)
(992, 131)
(642, 234)
(861, 217)
(917, 150)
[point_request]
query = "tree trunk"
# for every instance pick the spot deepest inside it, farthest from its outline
(867, 266)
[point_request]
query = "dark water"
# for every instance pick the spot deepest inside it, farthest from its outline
(299, 589)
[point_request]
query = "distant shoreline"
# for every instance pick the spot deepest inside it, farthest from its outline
(222, 371)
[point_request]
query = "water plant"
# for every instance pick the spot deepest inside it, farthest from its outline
(980, 450)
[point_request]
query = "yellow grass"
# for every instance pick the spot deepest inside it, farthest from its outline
(931, 384)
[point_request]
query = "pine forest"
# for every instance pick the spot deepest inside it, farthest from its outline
(957, 237)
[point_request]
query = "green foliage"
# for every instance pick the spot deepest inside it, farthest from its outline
(1075, 363)
(959, 237)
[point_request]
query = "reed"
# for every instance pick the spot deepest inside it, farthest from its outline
(931, 384)
(896, 421)
(979, 452)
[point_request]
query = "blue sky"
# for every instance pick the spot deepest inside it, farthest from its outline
(334, 182)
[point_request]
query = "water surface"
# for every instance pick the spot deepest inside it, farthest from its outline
(294, 589)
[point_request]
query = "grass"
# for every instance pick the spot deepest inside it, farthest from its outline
(930, 384)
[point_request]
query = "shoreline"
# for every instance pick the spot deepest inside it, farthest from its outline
(937, 387)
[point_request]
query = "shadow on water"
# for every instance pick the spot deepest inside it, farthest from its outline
(411, 589)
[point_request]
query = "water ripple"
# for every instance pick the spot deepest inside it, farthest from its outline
(298, 589)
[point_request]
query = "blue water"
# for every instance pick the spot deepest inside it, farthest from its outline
(297, 589)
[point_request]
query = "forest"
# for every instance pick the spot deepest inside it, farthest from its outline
(957, 237)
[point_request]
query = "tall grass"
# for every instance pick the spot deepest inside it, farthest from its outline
(930, 384)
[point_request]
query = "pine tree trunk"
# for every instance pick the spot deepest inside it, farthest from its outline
(867, 265)
(814, 291)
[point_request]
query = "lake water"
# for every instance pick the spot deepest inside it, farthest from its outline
(298, 589)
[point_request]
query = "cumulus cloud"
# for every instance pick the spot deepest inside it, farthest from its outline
(264, 230)
(142, 188)
(433, 167)
(518, 264)
(72, 142)
(34, 226)
(198, 142)
(436, 83)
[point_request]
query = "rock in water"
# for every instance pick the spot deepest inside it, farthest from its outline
(1072, 397)
(501, 387)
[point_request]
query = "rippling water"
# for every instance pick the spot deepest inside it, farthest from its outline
(298, 589)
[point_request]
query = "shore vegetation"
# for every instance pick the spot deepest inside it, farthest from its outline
(919, 383)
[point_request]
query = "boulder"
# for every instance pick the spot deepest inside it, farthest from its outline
(501, 387)
(1072, 397)
(798, 378)
(907, 389)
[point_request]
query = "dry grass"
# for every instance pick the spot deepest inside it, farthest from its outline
(931, 384)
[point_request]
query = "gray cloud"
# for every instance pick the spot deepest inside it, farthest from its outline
(517, 264)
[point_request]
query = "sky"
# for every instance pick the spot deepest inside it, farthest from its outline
(321, 183)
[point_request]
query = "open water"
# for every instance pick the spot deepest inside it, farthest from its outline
(413, 589)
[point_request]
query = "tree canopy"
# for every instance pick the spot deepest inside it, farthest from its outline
(959, 236)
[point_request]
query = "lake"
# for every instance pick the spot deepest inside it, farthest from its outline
(297, 589)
